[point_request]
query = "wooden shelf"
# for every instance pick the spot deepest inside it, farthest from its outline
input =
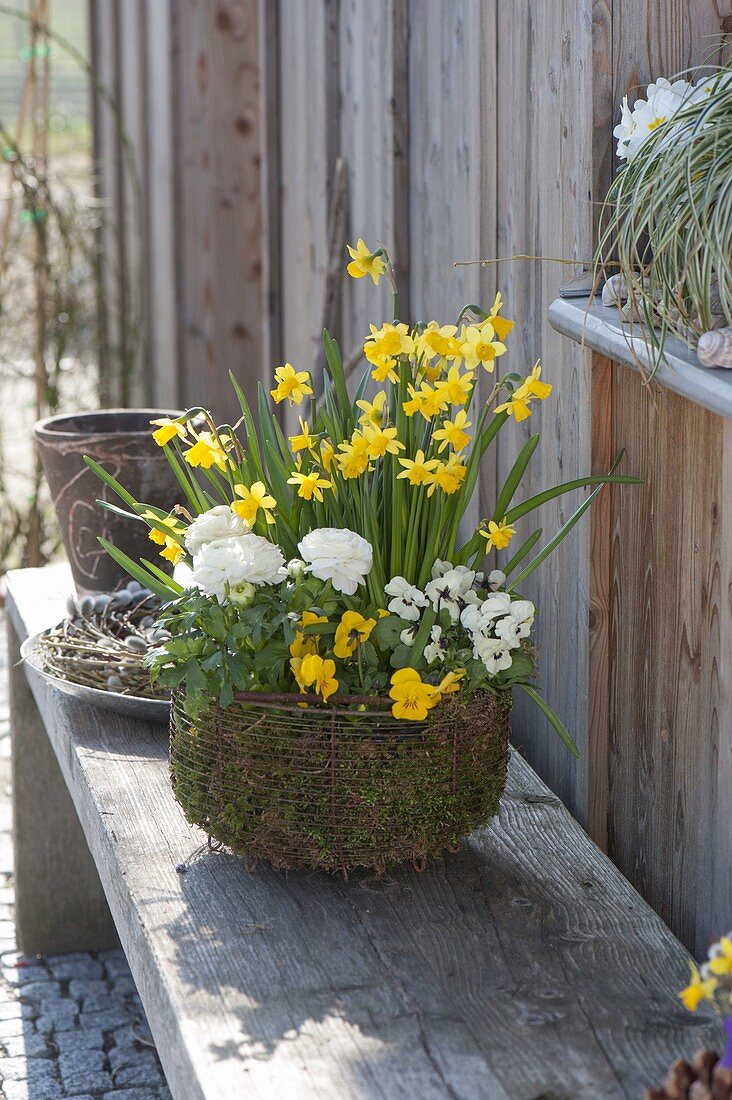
(599, 328)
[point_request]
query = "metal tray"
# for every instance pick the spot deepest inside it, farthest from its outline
(132, 706)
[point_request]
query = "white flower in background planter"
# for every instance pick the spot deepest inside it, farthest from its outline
(337, 555)
(407, 600)
(218, 523)
(228, 563)
(663, 101)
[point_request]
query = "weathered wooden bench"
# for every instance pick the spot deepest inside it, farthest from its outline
(523, 967)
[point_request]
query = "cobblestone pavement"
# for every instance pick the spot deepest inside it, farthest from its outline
(70, 1025)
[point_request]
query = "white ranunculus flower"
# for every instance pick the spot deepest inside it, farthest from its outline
(337, 555)
(183, 575)
(228, 563)
(218, 523)
(407, 599)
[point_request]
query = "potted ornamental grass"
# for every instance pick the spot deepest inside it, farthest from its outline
(342, 665)
(666, 223)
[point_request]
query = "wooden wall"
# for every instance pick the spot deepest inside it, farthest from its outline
(269, 132)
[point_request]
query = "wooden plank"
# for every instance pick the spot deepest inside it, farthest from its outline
(308, 146)
(545, 176)
(669, 719)
(216, 101)
(162, 208)
(269, 106)
(303, 985)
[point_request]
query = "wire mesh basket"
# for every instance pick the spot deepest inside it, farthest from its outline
(340, 786)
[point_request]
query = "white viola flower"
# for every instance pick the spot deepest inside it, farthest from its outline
(337, 555)
(218, 523)
(494, 653)
(496, 579)
(471, 597)
(408, 635)
(497, 604)
(470, 618)
(522, 611)
(227, 563)
(440, 568)
(448, 591)
(508, 629)
(436, 648)
(407, 600)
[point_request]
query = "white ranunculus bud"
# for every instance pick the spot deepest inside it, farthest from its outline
(337, 555)
(242, 594)
(295, 568)
(226, 563)
(218, 523)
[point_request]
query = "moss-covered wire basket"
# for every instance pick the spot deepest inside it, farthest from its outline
(334, 787)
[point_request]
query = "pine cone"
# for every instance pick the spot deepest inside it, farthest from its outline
(701, 1079)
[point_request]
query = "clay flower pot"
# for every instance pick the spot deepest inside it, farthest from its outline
(121, 441)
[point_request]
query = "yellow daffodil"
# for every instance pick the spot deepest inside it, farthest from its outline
(516, 406)
(364, 262)
(318, 673)
(426, 400)
(327, 454)
(381, 441)
(382, 348)
(453, 433)
(413, 699)
(252, 500)
(292, 385)
(167, 430)
(207, 451)
(500, 325)
(305, 644)
(455, 388)
(497, 535)
(439, 340)
(303, 441)
(698, 990)
(172, 550)
(479, 346)
(721, 963)
(372, 412)
(352, 630)
(310, 485)
(532, 387)
(447, 476)
(418, 469)
(353, 459)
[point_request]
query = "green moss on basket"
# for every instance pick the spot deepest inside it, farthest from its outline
(333, 788)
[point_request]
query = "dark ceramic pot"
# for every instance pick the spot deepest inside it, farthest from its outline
(120, 440)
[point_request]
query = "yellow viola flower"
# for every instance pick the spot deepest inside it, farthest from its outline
(320, 674)
(172, 550)
(372, 412)
(721, 963)
(305, 644)
(451, 682)
(500, 325)
(447, 476)
(310, 485)
(296, 669)
(167, 429)
(455, 388)
(413, 699)
(364, 262)
(479, 346)
(497, 535)
(698, 990)
(292, 385)
(207, 451)
(351, 632)
(327, 454)
(439, 340)
(252, 500)
(453, 433)
(381, 441)
(353, 459)
(303, 441)
(418, 469)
